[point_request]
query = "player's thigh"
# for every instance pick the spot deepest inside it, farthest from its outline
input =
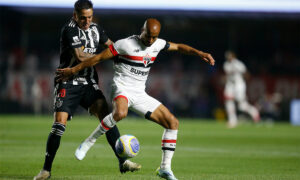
(153, 110)
(66, 99)
(240, 92)
(94, 101)
(229, 91)
(164, 117)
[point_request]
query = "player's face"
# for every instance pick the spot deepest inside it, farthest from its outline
(84, 18)
(149, 37)
(229, 56)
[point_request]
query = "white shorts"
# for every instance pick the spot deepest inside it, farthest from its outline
(235, 91)
(138, 100)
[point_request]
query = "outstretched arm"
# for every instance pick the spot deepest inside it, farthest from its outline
(186, 49)
(66, 73)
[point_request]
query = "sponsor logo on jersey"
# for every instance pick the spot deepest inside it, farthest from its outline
(89, 50)
(76, 41)
(138, 72)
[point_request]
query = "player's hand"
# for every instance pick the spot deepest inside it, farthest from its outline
(63, 74)
(208, 58)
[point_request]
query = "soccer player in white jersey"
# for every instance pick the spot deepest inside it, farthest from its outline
(135, 56)
(235, 90)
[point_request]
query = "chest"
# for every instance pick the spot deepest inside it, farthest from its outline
(89, 39)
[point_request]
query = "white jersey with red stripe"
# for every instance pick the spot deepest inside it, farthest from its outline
(134, 61)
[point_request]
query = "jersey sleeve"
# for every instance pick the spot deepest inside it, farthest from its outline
(103, 35)
(119, 47)
(166, 47)
(71, 34)
(162, 44)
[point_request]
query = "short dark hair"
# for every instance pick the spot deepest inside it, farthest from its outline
(82, 4)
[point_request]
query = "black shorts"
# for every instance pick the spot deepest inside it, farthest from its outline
(67, 97)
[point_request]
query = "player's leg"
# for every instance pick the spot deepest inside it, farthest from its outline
(100, 109)
(251, 110)
(231, 112)
(65, 102)
(243, 105)
(229, 96)
(53, 143)
(166, 119)
(120, 110)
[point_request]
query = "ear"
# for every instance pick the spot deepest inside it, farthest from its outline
(74, 15)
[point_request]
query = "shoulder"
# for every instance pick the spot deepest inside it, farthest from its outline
(237, 61)
(126, 41)
(96, 26)
(160, 43)
(124, 45)
(70, 26)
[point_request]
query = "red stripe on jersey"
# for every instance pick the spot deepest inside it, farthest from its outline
(113, 50)
(169, 141)
(137, 58)
(104, 126)
(121, 96)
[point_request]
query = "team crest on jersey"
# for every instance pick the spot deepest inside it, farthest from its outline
(146, 60)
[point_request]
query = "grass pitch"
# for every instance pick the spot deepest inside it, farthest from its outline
(205, 150)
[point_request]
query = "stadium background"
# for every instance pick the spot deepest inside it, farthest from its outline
(268, 43)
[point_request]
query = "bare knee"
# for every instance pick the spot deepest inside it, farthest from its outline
(173, 122)
(61, 117)
(119, 115)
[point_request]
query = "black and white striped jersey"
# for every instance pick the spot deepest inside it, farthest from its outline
(89, 40)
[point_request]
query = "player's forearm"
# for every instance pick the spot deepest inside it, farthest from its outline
(88, 62)
(104, 55)
(185, 49)
(85, 56)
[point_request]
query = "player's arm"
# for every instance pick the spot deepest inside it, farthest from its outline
(64, 74)
(186, 49)
(80, 55)
(108, 43)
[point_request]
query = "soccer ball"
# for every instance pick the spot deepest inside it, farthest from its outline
(127, 146)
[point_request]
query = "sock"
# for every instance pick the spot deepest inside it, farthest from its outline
(53, 144)
(231, 113)
(168, 147)
(105, 125)
(112, 136)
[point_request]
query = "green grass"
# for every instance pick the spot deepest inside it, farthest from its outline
(205, 150)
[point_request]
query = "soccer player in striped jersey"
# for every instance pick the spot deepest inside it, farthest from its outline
(135, 55)
(80, 40)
